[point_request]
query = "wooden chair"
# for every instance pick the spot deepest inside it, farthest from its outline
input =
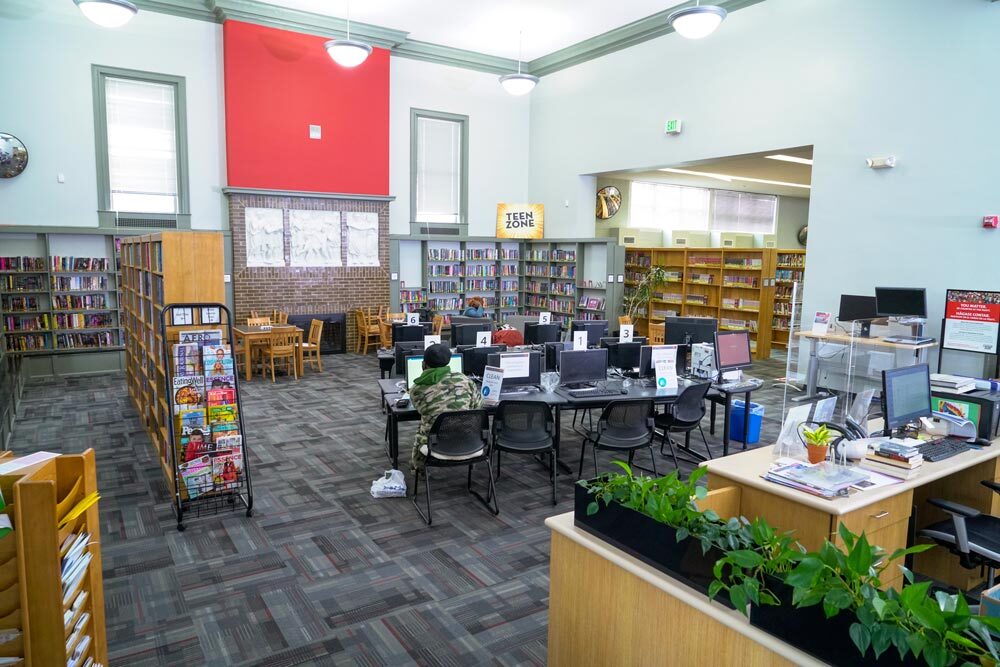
(369, 332)
(279, 317)
(624, 319)
(281, 345)
(385, 333)
(254, 313)
(395, 317)
(310, 348)
(657, 334)
(437, 324)
(255, 321)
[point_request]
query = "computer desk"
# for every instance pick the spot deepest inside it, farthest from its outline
(812, 371)
(882, 513)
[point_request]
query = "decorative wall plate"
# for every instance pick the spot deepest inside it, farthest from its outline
(13, 156)
(609, 200)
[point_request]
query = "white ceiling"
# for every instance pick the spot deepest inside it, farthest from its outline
(491, 26)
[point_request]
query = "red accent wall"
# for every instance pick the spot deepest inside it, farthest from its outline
(278, 83)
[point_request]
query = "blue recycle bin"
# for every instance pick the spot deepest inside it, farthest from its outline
(736, 422)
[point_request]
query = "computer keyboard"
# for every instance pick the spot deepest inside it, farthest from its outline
(908, 340)
(742, 385)
(589, 393)
(940, 449)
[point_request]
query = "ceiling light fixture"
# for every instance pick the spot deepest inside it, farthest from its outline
(790, 158)
(108, 13)
(698, 21)
(726, 177)
(518, 84)
(348, 52)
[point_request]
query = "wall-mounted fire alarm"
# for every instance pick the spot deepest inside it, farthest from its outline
(991, 221)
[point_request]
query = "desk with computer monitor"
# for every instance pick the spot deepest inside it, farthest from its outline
(596, 329)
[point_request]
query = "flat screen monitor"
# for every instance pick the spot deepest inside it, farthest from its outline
(552, 352)
(474, 359)
(583, 366)
(405, 349)
(607, 341)
(732, 351)
(901, 301)
(402, 332)
(415, 366)
(538, 334)
(854, 307)
(465, 334)
(906, 395)
(595, 330)
(624, 355)
(520, 369)
(689, 330)
(647, 368)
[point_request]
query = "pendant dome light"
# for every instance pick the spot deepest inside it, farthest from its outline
(348, 52)
(698, 21)
(108, 13)
(518, 84)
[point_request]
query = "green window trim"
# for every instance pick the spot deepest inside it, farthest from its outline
(463, 223)
(106, 215)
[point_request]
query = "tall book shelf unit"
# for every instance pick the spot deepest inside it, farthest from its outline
(59, 614)
(160, 269)
(565, 278)
(789, 268)
(730, 285)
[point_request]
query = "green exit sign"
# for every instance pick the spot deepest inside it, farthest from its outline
(672, 126)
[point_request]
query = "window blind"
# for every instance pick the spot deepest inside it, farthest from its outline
(439, 170)
(669, 207)
(142, 145)
(744, 212)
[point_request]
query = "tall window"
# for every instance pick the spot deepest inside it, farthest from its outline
(669, 207)
(744, 212)
(141, 142)
(439, 167)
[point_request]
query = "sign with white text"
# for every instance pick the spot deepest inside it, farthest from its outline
(972, 320)
(492, 384)
(666, 374)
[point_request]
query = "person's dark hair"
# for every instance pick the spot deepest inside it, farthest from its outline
(437, 355)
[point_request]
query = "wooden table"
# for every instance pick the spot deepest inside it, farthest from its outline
(248, 335)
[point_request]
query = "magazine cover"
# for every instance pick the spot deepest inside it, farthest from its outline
(202, 336)
(189, 419)
(187, 359)
(218, 414)
(221, 382)
(217, 360)
(197, 476)
(189, 392)
(220, 396)
(222, 430)
(231, 443)
(195, 443)
(226, 470)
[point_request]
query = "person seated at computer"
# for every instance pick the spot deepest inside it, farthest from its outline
(474, 307)
(438, 390)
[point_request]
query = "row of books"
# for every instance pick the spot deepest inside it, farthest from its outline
(697, 299)
(411, 295)
(510, 285)
(781, 323)
(731, 323)
(480, 254)
(444, 304)
(25, 342)
(744, 263)
(790, 275)
(75, 563)
(509, 301)
(446, 270)
(673, 297)
(638, 260)
(443, 254)
(592, 302)
(508, 270)
(701, 278)
(80, 321)
(81, 341)
(797, 260)
(782, 308)
(704, 260)
(78, 283)
(25, 322)
(740, 281)
(741, 304)
(20, 304)
(444, 286)
(896, 458)
(11, 283)
(60, 263)
(481, 270)
(479, 284)
(81, 302)
(825, 479)
(22, 263)
(674, 276)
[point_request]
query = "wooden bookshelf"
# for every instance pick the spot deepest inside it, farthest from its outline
(158, 269)
(789, 267)
(31, 595)
(728, 284)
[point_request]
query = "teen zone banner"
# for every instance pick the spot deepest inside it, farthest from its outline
(971, 321)
(520, 221)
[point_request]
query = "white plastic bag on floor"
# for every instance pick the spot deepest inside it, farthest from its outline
(390, 485)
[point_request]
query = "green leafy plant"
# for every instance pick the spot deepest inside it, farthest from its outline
(817, 437)
(639, 297)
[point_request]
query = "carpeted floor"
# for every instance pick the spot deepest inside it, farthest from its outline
(323, 574)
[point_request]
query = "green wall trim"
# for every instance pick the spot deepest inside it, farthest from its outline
(399, 43)
(303, 193)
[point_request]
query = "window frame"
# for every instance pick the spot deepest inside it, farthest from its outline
(106, 215)
(463, 205)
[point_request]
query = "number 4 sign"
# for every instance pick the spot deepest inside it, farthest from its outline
(484, 338)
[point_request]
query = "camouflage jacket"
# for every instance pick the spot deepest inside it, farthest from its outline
(452, 392)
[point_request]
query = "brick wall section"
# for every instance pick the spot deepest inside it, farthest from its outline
(300, 290)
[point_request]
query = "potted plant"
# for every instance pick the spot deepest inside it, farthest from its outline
(817, 442)
(643, 292)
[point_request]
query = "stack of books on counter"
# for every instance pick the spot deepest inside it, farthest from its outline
(954, 383)
(826, 479)
(896, 458)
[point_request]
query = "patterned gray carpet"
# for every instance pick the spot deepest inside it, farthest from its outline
(322, 574)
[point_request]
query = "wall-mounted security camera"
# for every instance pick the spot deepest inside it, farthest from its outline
(882, 162)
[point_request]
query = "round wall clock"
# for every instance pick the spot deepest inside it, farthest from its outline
(803, 233)
(13, 156)
(609, 200)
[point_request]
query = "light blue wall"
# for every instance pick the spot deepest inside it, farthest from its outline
(854, 78)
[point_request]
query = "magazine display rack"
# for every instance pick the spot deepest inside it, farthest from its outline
(206, 435)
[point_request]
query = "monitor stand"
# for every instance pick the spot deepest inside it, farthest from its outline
(580, 385)
(866, 329)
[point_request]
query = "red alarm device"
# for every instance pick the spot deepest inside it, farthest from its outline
(991, 221)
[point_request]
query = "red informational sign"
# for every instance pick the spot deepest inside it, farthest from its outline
(972, 321)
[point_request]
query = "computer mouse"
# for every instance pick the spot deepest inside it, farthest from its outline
(402, 402)
(983, 442)
(624, 390)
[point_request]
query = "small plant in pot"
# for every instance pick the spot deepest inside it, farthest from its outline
(817, 442)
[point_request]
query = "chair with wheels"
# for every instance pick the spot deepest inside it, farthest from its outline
(971, 535)
(684, 416)
(624, 426)
(525, 427)
(459, 438)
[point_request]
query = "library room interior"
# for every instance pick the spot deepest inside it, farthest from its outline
(540, 332)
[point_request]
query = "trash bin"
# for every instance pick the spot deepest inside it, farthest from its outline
(736, 422)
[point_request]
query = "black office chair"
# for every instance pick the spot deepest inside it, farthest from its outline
(624, 426)
(459, 438)
(974, 537)
(684, 416)
(525, 427)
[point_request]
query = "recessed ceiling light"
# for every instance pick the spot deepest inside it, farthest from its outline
(107, 13)
(728, 178)
(698, 21)
(790, 158)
